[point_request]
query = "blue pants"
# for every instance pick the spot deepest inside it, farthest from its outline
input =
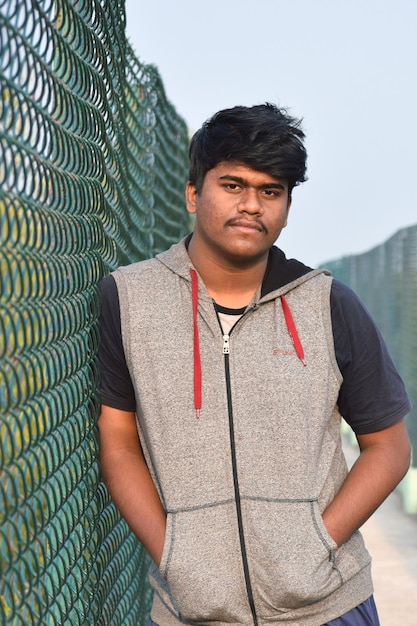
(363, 615)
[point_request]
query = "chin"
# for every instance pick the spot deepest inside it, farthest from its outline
(247, 257)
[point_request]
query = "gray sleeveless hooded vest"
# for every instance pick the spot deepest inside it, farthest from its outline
(241, 434)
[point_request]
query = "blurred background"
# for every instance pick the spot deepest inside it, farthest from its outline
(346, 67)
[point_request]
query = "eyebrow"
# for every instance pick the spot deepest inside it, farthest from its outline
(244, 183)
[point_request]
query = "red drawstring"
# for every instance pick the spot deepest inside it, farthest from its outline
(292, 329)
(197, 358)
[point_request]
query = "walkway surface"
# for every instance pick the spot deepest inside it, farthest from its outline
(391, 538)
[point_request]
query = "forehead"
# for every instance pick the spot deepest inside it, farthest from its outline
(239, 171)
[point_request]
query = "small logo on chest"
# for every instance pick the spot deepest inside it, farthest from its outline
(282, 351)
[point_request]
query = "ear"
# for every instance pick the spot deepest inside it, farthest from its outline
(191, 198)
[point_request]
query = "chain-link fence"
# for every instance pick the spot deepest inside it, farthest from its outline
(93, 162)
(386, 280)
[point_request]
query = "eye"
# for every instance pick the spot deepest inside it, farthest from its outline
(272, 193)
(232, 186)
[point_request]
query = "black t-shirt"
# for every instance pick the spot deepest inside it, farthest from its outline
(372, 395)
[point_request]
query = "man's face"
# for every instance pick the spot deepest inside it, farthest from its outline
(240, 213)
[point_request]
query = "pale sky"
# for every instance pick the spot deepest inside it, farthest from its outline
(347, 67)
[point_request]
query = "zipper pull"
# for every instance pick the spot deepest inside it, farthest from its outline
(226, 348)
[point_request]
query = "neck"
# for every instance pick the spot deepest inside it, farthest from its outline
(230, 285)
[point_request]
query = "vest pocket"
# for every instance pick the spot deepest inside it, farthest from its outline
(201, 566)
(291, 555)
(167, 546)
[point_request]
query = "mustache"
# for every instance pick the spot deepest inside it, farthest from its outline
(245, 222)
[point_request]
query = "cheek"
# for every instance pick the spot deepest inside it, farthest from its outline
(208, 220)
(211, 214)
(278, 223)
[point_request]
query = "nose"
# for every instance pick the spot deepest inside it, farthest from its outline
(249, 201)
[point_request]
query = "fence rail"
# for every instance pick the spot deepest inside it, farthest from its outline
(93, 162)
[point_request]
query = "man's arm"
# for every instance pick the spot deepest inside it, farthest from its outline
(383, 461)
(128, 480)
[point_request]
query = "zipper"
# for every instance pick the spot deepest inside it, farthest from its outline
(226, 353)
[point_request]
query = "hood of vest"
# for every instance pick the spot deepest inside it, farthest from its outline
(282, 275)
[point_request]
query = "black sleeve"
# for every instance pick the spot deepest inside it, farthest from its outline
(116, 385)
(372, 395)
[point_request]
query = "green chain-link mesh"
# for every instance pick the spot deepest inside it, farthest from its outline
(93, 162)
(386, 280)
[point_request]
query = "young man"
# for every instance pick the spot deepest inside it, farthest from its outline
(234, 366)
